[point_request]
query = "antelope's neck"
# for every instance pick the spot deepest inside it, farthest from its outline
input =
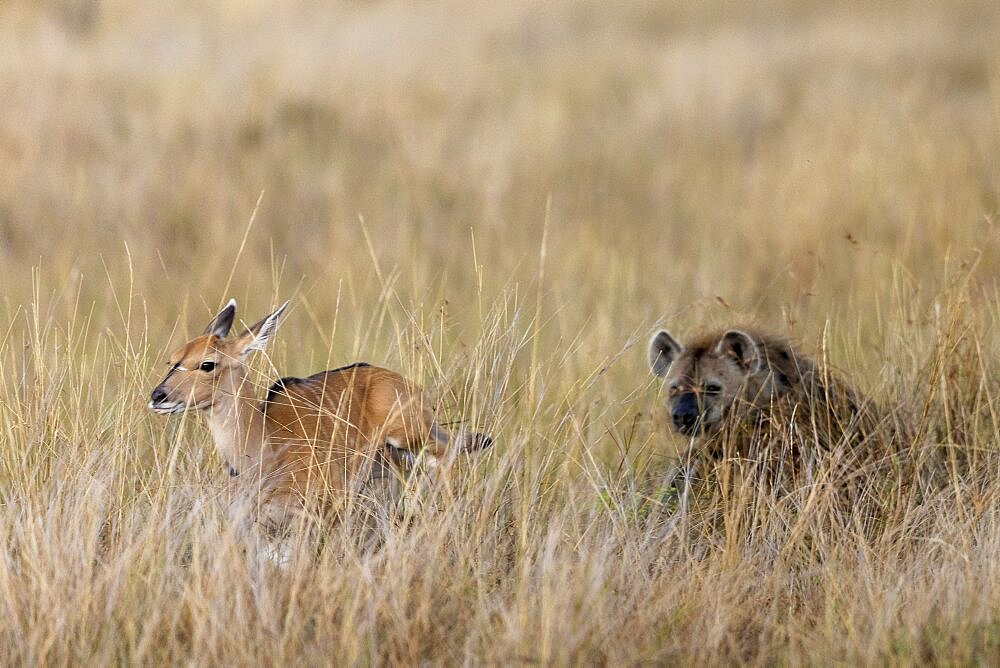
(236, 424)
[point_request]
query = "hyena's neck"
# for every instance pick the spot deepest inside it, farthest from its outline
(236, 424)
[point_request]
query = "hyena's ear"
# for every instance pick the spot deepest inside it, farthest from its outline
(223, 321)
(741, 347)
(257, 336)
(663, 350)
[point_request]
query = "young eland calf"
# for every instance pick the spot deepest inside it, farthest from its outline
(313, 438)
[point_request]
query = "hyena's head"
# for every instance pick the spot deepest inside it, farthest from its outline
(210, 365)
(709, 379)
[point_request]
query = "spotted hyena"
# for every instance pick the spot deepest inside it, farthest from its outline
(748, 383)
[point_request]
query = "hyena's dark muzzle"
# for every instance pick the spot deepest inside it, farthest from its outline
(686, 413)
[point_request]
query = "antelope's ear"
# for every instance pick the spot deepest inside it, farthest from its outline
(663, 350)
(257, 336)
(740, 347)
(223, 321)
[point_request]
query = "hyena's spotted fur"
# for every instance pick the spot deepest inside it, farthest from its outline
(740, 389)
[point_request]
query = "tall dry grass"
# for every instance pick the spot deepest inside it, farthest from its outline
(502, 200)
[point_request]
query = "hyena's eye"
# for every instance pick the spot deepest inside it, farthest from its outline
(713, 388)
(673, 390)
(207, 366)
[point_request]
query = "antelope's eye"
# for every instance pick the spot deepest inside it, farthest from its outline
(713, 388)
(207, 366)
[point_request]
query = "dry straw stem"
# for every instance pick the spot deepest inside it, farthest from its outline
(825, 169)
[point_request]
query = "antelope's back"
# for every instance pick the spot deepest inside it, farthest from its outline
(345, 411)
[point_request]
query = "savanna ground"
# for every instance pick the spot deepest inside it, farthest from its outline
(502, 200)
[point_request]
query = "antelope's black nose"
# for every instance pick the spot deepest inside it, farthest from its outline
(686, 413)
(158, 395)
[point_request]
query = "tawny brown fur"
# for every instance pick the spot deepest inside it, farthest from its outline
(309, 438)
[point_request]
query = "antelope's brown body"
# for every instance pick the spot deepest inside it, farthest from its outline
(309, 438)
(323, 432)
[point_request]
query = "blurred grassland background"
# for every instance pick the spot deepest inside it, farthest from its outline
(503, 200)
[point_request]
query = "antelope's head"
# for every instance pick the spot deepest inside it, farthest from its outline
(212, 364)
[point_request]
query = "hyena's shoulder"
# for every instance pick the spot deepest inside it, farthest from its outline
(805, 379)
(777, 356)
